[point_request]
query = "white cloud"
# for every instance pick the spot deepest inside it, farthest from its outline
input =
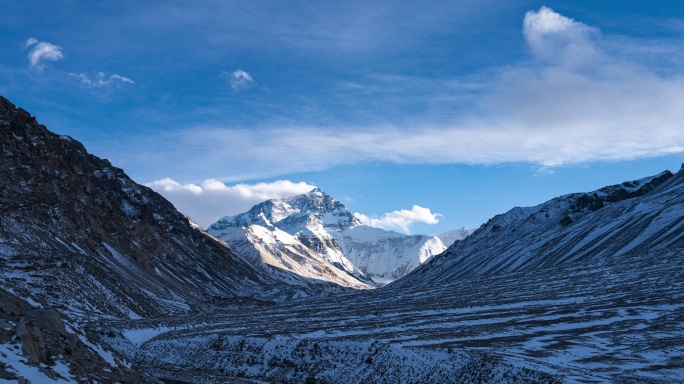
(121, 78)
(401, 220)
(238, 79)
(100, 80)
(555, 37)
(41, 52)
(212, 200)
(29, 42)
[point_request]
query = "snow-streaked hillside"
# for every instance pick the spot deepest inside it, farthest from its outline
(645, 214)
(611, 320)
(324, 238)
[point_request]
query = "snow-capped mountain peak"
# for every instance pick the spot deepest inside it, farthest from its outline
(325, 227)
(313, 204)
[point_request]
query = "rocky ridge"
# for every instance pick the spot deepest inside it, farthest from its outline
(640, 215)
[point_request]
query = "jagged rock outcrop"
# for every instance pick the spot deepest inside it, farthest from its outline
(31, 328)
(35, 343)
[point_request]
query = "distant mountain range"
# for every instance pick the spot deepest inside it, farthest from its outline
(315, 236)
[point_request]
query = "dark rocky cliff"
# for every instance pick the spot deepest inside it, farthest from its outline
(79, 233)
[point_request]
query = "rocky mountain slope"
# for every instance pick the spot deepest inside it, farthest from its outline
(645, 214)
(78, 235)
(315, 235)
(76, 230)
(384, 255)
(293, 234)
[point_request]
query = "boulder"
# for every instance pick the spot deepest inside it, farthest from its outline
(11, 304)
(33, 345)
(47, 319)
(31, 331)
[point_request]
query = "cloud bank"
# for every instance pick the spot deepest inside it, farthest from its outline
(212, 200)
(401, 220)
(42, 52)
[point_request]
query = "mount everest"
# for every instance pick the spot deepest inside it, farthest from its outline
(315, 235)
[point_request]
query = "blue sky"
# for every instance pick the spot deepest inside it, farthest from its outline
(462, 108)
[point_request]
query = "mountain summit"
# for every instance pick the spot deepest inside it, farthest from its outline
(294, 234)
(319, 229)
(315, 204)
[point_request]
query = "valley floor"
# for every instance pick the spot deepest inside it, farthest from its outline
(619, 319)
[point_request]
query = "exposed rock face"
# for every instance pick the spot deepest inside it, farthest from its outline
(46, 319)
(31, 328)
(33, 345)
(640, 215)
(35, 341)
(11, 304)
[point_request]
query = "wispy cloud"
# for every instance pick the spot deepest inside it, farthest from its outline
(41, 52)
(212, 200)
(401, 220)
(575, 99)
(238, 79)
(100, 80)
(30, 41)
